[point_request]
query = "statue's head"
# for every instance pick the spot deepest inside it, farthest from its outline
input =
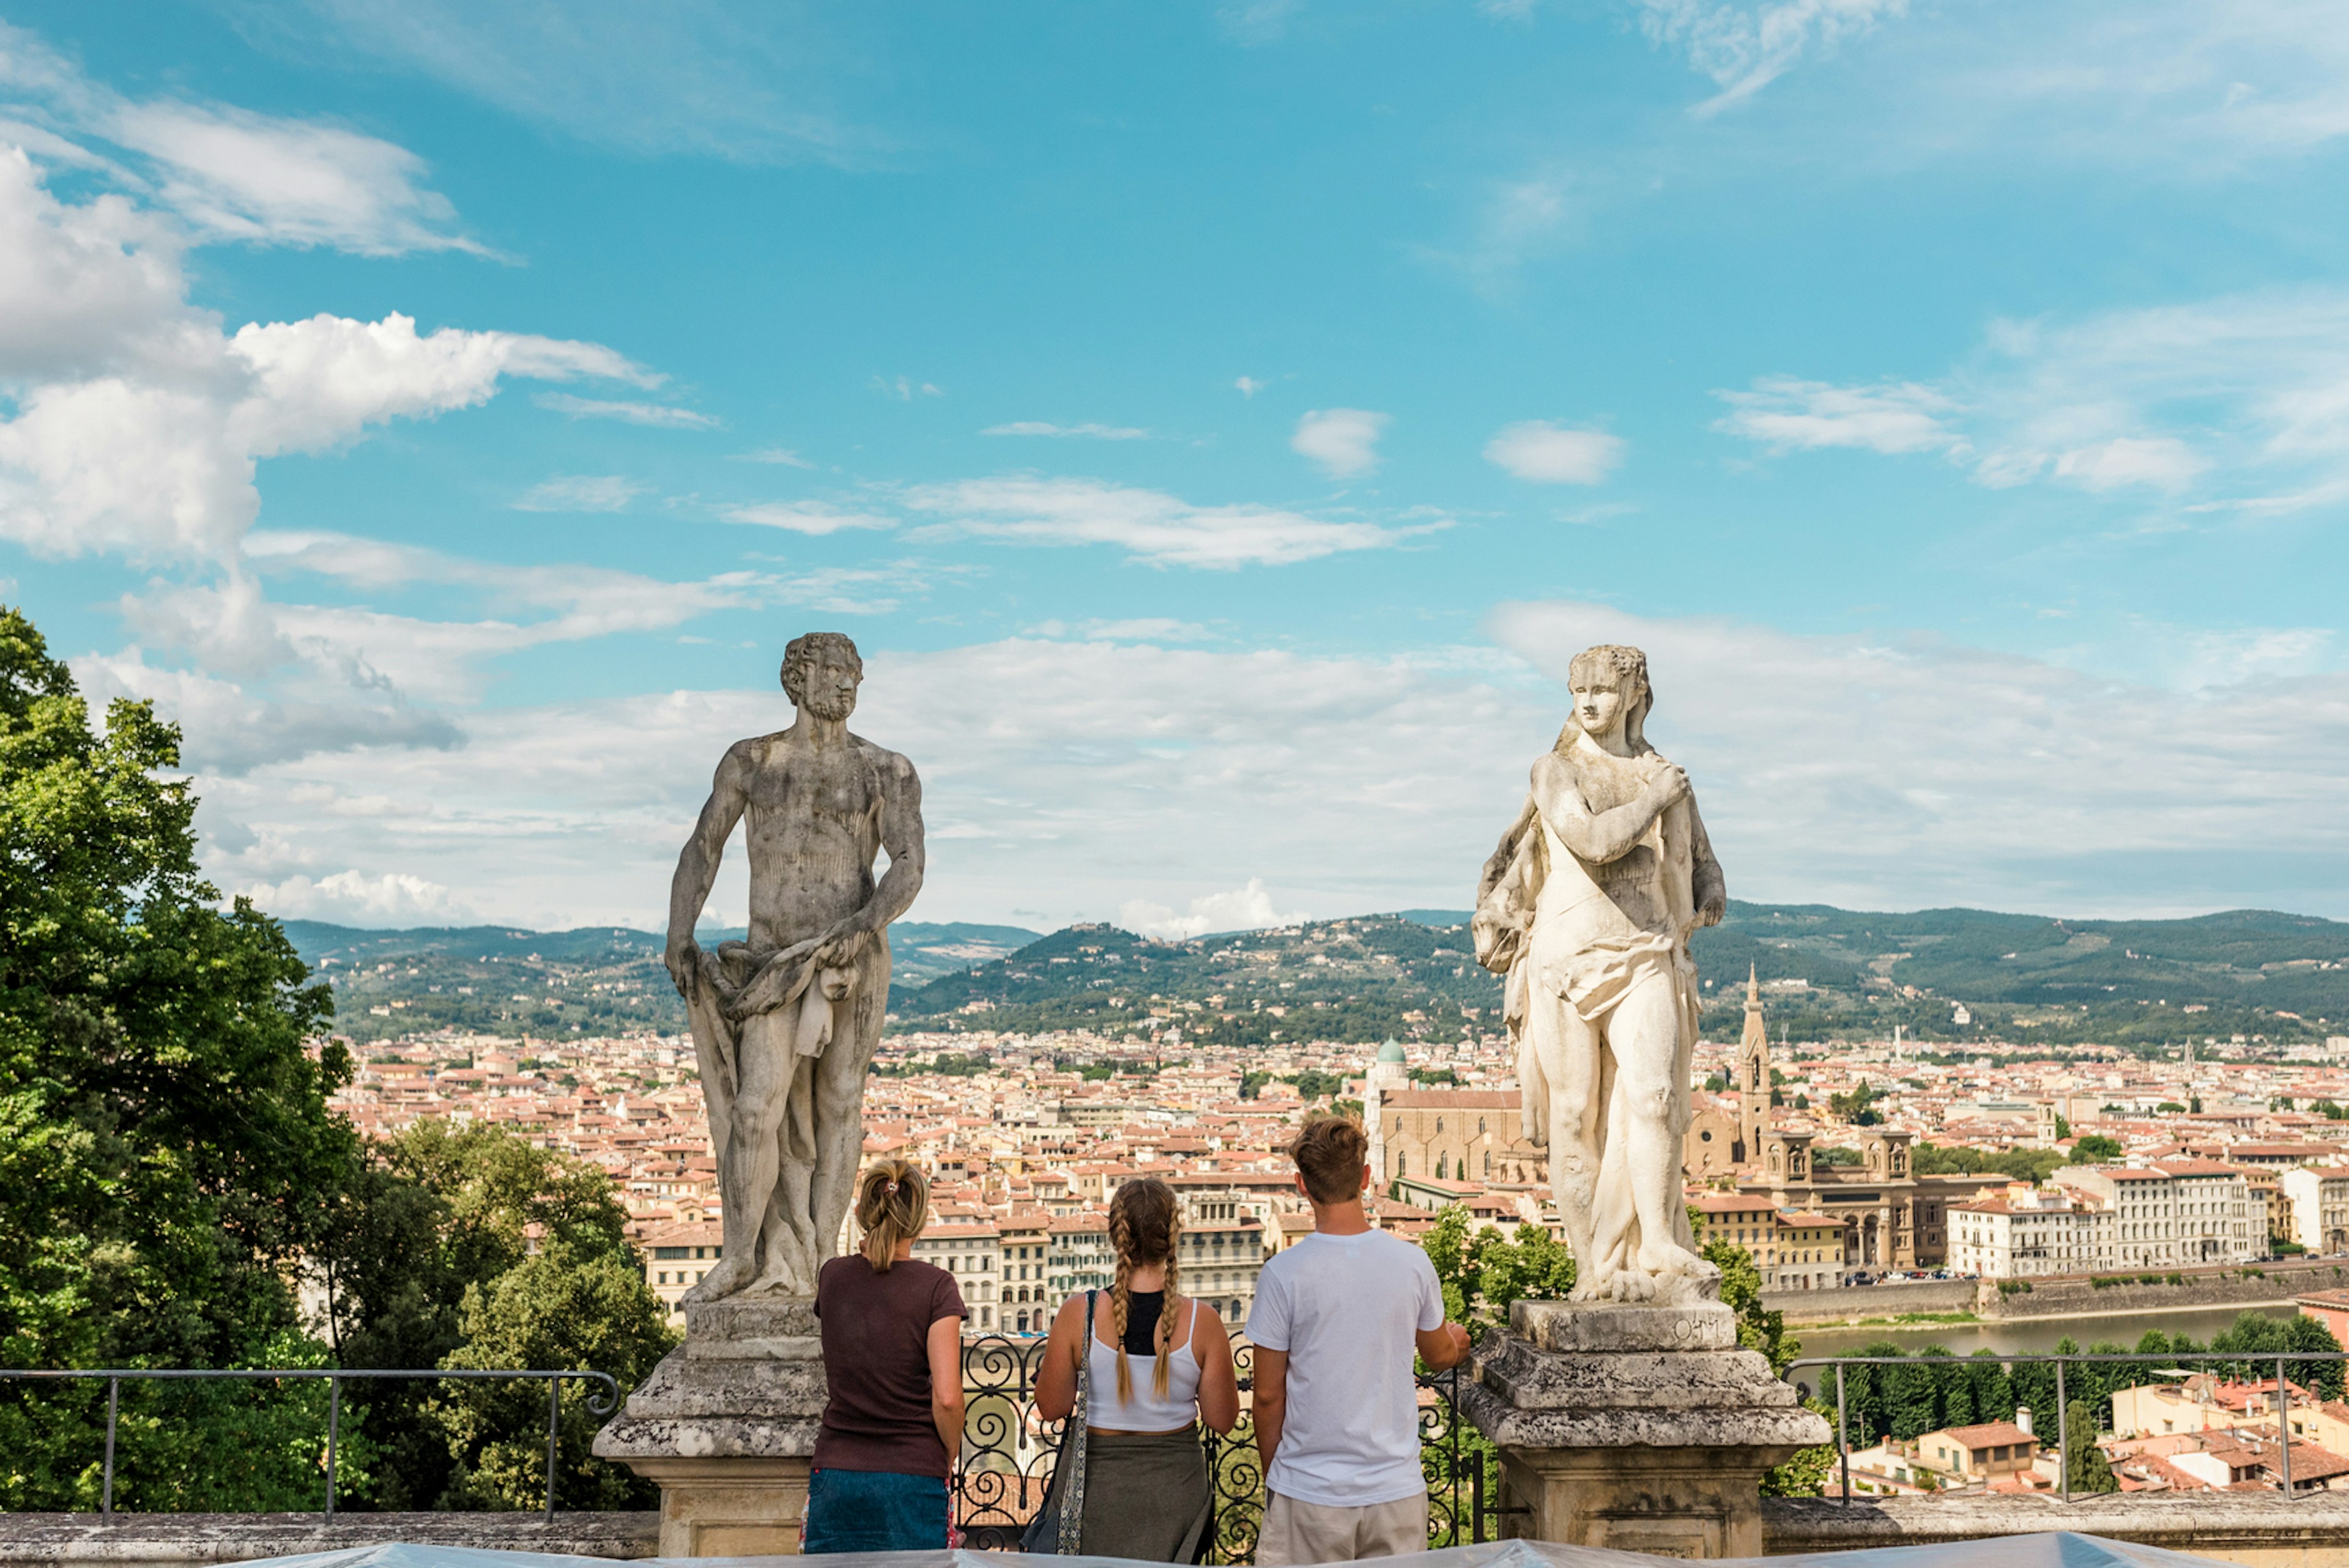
(822, 671)
(1609, 684)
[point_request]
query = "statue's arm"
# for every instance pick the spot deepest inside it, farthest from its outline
(697, 865)
(1599, 837)
(901, 835)
(1710, 888)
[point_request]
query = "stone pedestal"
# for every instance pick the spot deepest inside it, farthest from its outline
(1639, 1428)
(725, 1425)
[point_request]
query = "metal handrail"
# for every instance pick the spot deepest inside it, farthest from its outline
(599, 1403)
(2063, 1425)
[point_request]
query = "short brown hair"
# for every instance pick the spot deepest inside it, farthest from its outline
(1331, 1152)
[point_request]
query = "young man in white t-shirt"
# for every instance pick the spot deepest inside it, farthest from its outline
(1337, 1319)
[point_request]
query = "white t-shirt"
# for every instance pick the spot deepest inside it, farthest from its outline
(1347, 1309)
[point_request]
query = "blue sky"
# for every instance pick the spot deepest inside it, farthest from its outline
(1218, 424)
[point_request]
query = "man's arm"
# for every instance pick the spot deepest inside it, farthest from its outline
(1271, 1402)
(697, 868)
(1443, 1346)
(901, 835)
(1602, 836)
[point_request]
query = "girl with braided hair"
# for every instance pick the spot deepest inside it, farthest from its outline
(1160, 1365)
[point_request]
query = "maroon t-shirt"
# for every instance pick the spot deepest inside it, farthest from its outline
(876, 1365)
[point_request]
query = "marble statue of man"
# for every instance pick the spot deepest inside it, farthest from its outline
(785, 1024)
(1586, 908)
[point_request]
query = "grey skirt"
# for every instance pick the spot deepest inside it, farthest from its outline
(1145, 1495)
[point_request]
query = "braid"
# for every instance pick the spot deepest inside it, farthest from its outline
(1166, 1369)
(1120, 1297)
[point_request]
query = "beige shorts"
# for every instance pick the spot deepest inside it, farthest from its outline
(1298, 1532)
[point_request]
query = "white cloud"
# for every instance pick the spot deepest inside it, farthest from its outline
(580, 492)
(229, 173)
(1088, 432)
(1139, 629)
(263, 179)
(903, 388)
(779, 455)
(2157, 462)
(695, 76)
(1743, 48)
(1542, 453)
(1248, 386)
(1248, 908)
(352, 898)
(1344, 441)
(2239, 403)
(804, 516)
(661, 416)
(1785, 414)
(1072, 777)
(1151, 524)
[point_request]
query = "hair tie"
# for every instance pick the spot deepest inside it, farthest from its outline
(893, 1185)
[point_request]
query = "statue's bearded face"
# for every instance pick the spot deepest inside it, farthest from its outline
(1600, 696)
(828, 689)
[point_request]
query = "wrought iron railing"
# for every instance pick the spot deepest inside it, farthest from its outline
(2239, 1363)
(1005, 1464)
(600, 1402)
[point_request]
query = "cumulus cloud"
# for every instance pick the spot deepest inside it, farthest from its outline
(580, 492)
(1343, 441)
(1248, 908)
(1543, 453)
(1150, 524)
(1085, 432)
(1074, 778)
(660, 416)
(1248, 386)
(353, 898)
(804, 516)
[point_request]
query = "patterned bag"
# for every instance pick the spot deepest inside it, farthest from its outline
(1058, 1527)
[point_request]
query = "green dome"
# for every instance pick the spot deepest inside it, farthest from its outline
(1391, 1052)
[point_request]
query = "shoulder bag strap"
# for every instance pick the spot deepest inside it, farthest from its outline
(1072, 1496)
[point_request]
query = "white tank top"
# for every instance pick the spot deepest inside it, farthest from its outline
(1145, 1412)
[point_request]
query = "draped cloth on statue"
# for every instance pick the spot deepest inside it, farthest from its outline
(743, 987)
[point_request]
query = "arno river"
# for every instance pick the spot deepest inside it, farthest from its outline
(2029, 1334)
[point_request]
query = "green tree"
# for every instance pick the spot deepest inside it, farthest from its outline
(1760, 1329)
(440, 1222)
(2085, 1468)
(2095, 1147)
(164, 1135)
(2256, 1334)
(566, 1307)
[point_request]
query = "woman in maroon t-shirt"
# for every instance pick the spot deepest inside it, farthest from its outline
(892, 1364)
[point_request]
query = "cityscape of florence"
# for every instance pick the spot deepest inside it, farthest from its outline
(1551, 782)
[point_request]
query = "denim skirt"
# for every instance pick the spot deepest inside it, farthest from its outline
(874, 1510)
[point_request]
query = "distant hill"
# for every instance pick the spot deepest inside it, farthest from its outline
(499, 979)
(1839, 972)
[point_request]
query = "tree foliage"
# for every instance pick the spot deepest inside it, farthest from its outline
(169, 1167)
(163, 1134)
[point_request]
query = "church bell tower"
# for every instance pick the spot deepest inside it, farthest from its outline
(1753, 1075)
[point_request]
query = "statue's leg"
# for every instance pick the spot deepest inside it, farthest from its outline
(789, 1259)
(1566, 1051)
(1644, 1031)
(746, 1181)
(839, 1099)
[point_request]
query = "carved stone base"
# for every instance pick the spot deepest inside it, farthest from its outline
(1640, 1428)
(725, 1425)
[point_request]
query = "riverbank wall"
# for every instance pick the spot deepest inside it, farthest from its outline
(2260, 1285)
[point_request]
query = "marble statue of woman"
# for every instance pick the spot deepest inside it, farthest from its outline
(1586, 908)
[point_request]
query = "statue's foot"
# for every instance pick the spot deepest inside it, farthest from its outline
(1679, 1276)
(729, 1276)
